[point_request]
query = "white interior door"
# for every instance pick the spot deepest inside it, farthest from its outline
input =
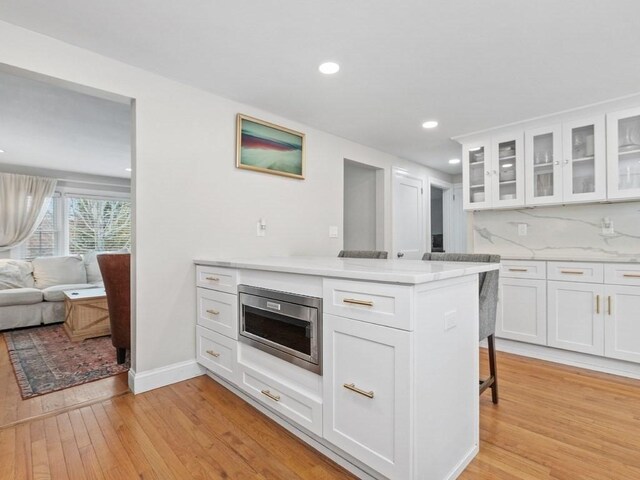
(408, 216)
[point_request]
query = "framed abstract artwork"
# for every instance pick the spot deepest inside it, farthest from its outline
(269, 148)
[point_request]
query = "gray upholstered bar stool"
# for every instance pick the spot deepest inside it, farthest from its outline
(363, 254)
(488, 308)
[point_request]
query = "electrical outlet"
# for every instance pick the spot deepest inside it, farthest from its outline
(607, 227)
(261, 228)
(522, 229)
(333, 232)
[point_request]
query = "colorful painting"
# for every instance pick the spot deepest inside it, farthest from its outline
(265, 147)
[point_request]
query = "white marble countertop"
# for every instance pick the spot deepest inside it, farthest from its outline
(545, 258)
(389, 271)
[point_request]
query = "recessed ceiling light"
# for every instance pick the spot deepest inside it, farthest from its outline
(475, 149)
(1, 151)
(453, 161)
(507, 165)
(128, 169)
(430, 124)
(329, 68)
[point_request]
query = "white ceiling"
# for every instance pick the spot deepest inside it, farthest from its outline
(47, 126)
(470, 64)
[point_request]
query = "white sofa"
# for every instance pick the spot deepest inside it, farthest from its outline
(32, 293)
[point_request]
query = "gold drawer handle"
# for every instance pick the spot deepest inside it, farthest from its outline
(631, 275)
(213, 279)
(571, 272)
(597, 303)
(355, 301)
(353, 388)
(518, 270)
(609, 304)
(275, 398)
(213, 312)
(213, 354)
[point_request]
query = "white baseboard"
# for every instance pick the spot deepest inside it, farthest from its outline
(566, 357)
(160, 377)
(464, 463)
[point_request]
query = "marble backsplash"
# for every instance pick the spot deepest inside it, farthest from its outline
(563, 232)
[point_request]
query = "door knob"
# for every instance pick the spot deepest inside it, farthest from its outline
(400, 254)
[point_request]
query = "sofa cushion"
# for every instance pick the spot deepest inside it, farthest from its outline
(51, 271)
(15, 274)
(56, 293)
(20, 296)
(92, 267)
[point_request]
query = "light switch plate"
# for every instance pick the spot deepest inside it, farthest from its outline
(450, 320)
(333, 232)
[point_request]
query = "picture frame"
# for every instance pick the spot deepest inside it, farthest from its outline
(269, 148)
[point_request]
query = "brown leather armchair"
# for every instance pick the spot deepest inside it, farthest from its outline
(116, 274)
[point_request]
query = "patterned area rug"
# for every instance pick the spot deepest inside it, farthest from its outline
(45, 360)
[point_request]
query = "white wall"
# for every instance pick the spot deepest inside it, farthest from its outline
(190, 200)
(359, 207)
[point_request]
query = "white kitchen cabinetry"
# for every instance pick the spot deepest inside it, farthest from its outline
(576, 316)
(368, 390)
(522, 310)
(623, 154)
(494, 172)
(622, 322)
(584, 167)
(543, 161)
(476, 176)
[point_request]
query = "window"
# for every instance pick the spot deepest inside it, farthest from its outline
(44, 241)
(98, 225)
(80, 224)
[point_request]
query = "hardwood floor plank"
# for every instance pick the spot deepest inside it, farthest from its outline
(54, 450)
(69, 447)
(23, 464)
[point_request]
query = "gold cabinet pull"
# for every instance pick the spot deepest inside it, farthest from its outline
(631, 275)
(213, 312)
(355, 301)
(571, 272)
(609, 304)
(518, 270)
(275, 398)
(597, 303)
(213, 354)
(353, 388)
(213, 279)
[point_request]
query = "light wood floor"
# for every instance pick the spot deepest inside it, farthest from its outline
(14, 410)
(553, 422)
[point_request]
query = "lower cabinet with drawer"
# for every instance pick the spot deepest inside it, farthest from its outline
(217, 353)
(367, 393)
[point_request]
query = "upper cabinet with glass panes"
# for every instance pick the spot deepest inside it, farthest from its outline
(575, 160)
(623, 154)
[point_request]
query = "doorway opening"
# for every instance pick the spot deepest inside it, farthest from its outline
(363, 219)
(68, 154)
(437, 219)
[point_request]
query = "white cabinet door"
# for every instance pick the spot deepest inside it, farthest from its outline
(585, 164)
(623, 154)
(543, 165)
(507, 170)
(522, 310)
(576, 316)
(622, 323)
(367, 392)
(476, 175)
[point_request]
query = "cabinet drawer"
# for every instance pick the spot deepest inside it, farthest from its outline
(216, 278)
(622, 274)
(575, 272)
(217, 353)
(295, 405)
(532, 269)
(382, 304)
(218, 311)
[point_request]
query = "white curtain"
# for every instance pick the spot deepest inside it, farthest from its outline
(23, 203)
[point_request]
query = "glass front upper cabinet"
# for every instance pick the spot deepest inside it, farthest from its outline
(584, 167)
(543, 162)
(623, 154)
(507, 170)
(477, 175)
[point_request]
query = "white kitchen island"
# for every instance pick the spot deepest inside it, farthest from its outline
(395, 391)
